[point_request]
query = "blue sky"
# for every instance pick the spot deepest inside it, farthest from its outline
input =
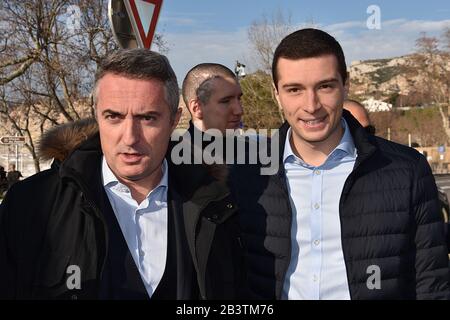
(216, 30)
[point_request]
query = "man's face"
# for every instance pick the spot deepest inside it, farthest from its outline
(223, 109)
(311, 94)
(135, 125)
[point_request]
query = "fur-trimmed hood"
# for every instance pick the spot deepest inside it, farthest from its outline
(59, 142)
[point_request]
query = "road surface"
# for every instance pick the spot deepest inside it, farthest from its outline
(443, 181)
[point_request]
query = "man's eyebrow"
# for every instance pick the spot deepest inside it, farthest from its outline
(227, 97)
(296, 84)
(292, 84)
(328, 80)
(110, 111)
(149, 113)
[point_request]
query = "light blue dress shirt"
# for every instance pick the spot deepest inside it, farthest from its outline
(317, 269)
(143, 225)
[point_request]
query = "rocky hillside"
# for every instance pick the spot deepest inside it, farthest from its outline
(389, 79)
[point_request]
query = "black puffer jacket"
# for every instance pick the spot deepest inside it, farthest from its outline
(389, 217)
(55, 219)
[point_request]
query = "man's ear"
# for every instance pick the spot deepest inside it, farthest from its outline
(195, 108)
(276, 95)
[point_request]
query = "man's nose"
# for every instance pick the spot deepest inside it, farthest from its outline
(131, 132)
(311, 103)
(237, 108)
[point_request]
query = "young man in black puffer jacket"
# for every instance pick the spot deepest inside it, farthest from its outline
(348, 215)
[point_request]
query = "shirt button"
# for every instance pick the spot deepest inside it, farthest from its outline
(316, 206)
(315, 278)
(141, 253)
(230, 206)
(317, 172)
(316, 242)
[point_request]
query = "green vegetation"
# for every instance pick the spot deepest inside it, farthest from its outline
(386, 73)
(260, 107)
(377, 61)
(393, 98)
(424, 125)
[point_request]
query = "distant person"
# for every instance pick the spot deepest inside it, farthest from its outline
(240, 70)
(3, 180)
(13, 175)
(2, 174)
(360, 113)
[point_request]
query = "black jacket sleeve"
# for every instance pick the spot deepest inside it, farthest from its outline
(432, 269)
(7, 262)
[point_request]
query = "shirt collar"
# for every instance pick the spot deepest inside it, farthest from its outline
(110, 180)
(346, 145)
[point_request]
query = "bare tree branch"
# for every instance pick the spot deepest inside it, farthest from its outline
(18, 72)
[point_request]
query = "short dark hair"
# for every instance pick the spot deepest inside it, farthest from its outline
(141, 64)
(308, 43)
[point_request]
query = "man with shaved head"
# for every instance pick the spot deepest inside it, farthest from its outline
(212, 95)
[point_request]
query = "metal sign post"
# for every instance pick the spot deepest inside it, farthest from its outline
(12, 140)
(133, 22)
(15, 141)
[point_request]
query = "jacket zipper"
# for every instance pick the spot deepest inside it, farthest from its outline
(97, 212)
(341, 205)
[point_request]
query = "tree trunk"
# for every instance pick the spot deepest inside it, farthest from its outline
(445, 123)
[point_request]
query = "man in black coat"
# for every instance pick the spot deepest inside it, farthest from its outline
(212, 95)
(348, 215)
(114, 218)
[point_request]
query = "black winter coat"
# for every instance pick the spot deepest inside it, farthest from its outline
(55, 219)
(389, 216)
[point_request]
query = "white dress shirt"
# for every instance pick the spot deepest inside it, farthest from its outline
(143, 225)
(317, 268)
